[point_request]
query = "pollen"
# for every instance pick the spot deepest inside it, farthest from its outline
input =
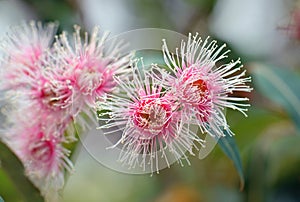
(201, 86)
(152, 115)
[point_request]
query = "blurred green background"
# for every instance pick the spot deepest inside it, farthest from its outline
(263, 33)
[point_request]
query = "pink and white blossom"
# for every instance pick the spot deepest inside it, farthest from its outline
(42, 152)
(23, 48)
(149, 121)
(91, 63)
(203, 88)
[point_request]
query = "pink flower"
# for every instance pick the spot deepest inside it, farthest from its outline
(50, 90)
(30, 74)
(23, 48)
(41, 100)
(149, 121)
(49, 85)
(91, 64)
(295, 28)
(292, 29)
(42, 153)
(203, 88)
(48, 96)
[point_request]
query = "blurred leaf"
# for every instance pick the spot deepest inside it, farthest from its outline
(280, 85)
(56, 10)
(15, 171)
(205, 5)
(272, 161)
(248, 129)
(284, 160)
(229, 147)
(7, 189)
(255, 172)
(152, 13)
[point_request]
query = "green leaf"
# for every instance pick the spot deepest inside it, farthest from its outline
(63, 11)
(284, 159)
(15, 171)
(229, 147)
(280, 85)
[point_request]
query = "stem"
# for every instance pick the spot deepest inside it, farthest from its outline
(14, 169)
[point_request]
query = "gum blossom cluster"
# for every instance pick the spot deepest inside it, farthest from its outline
(52, 83)
(161, 111)
(47, 81)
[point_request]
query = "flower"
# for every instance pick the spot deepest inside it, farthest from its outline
(292, 28)
(149, 120)
(22, 48)
(48, 86)
(90, 64)
(46, 95)
(28, 75)
(51, 93)
(42, 152)
(40, 99)
(202, 88)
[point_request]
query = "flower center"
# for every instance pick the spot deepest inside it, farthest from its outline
(201, 86)
(42, 150)
(152, 115)
(89, 81)
(57, 95)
